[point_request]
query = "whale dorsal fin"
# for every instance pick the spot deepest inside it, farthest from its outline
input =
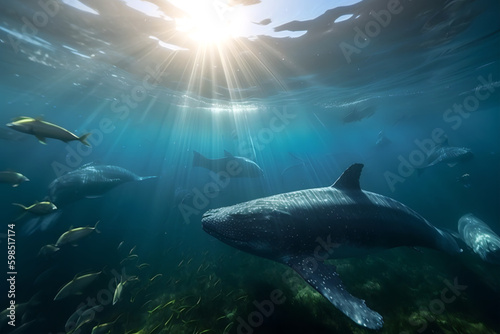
(228, 155)
(349, 180)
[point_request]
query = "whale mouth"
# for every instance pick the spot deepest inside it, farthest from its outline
(208, 223)
(214, 223)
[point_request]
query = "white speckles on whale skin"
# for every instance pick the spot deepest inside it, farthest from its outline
(480, 238)
(327, 281)
(286, 228)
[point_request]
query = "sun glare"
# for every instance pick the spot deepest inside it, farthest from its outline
(208, 21)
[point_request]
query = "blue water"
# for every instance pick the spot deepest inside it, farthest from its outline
(284, 95)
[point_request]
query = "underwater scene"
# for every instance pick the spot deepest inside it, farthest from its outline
(250, 166)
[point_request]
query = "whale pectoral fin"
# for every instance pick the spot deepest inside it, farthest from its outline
(41, 139)
(327, 281)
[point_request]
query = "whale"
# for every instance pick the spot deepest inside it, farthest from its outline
(230, 165)
(443, 153)
(480, 238)
(293, 229)
(89, 181)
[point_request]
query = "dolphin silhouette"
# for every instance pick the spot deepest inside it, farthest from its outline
(89, 181)
(443, 153)
(239, 166)
(289, 228)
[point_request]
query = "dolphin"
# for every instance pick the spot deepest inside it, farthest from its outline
(291, 228)
(13, 178)
(480, 237)
(443, 153)
(230, 165)
(42, 130)
(89, 181)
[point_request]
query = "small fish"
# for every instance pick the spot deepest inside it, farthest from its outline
(87, 316)
(143, 265)
(48, 250)
(132, 250)
(118, 291)
(155, 277)
(129, 258)
(104, 328)
(76, 285)
(159, 307)
(38, 208)
(119, 288)
(75, 234)
(13, 178)
(73, 319)
(42, 130)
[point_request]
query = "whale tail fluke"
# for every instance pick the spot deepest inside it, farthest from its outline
(83, 139)
(198, 159)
